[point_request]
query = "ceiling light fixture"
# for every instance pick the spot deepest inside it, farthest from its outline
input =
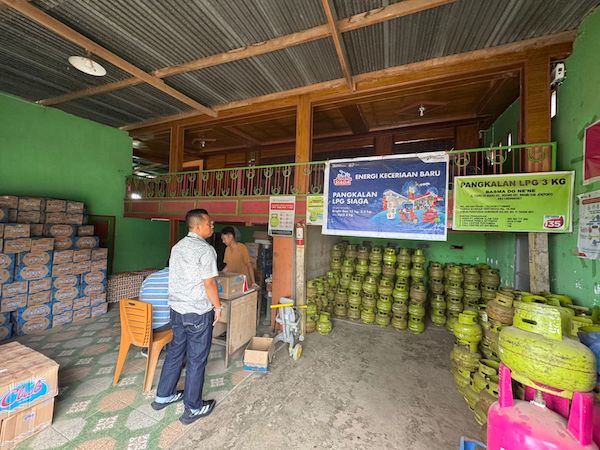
(87, 65)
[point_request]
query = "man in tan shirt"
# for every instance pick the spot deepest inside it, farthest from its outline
(237, 259)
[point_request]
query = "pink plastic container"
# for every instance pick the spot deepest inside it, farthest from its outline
(520, 425)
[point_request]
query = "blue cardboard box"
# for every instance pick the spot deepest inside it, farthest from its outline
(6, 331)
(65, 318)
(86, 242)
(7, 268)
(33, 312)
(33, 326)
(65, 294)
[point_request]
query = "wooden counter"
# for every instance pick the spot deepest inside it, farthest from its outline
(238, 322)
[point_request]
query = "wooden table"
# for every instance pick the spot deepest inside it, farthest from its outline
(238, 322)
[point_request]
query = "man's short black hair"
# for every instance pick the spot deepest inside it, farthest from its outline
(228, 230)
(194, 215)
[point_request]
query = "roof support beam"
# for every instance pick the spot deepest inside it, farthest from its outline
(508, 56)
(49, 22)
(365, 19)
(354, 118)
(336, 36)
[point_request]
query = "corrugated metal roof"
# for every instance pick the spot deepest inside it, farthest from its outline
(285, 69)
(347, 8)
(459, 27)
(34, 61)
(158, 33)
(132, 104)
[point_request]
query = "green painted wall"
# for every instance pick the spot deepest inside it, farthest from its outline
(578, 106)
(508, 122)
(500, 253)
(46, 152)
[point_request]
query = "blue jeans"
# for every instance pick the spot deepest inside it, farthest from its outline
(192, 337)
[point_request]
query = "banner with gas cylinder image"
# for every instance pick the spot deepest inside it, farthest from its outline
(526, 202)
(397, 197)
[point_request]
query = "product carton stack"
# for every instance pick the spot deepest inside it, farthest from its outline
(126, 284)
(52, 271)
(28, 385)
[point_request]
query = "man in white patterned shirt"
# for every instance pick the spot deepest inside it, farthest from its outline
(195, 308)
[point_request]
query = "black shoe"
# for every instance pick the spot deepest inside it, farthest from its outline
(158, 406)
(189, 417)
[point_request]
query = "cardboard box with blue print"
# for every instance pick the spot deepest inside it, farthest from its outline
(16, 231)
(29, 378)
(39, 244)
(34, 266)
(64, 243)
(7, 268)
(33, 312)
(6, 331)
(19, 245)
(14, 289)
(8, 304)
(67, 294)
(230, 285)
(3, 215)
(258, 354)
(92, 289)
(60, 320)
(35, 286)
(86, 242)
(33, 326)
(82, 314)
(39, 298)
(97, 299)
(98, 276)
(59, 308)
(98, 310)
(65, 282)
(81, 302)
(31, 204)
(59, 230)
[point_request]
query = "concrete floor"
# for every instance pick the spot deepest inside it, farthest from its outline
(359, 387)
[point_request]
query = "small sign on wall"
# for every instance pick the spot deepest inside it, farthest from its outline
(591, 154)
(588, 236)
(282, 210)
(314, 209)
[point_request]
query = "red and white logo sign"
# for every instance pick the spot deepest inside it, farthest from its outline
(554, 222)
(342, 179)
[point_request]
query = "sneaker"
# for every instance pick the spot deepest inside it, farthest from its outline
(144, 352)
(189, 416)
(157, 406)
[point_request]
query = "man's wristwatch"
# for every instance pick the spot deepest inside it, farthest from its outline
(220, 308)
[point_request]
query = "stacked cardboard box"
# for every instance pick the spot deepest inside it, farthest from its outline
(51, 273)
(28, 385)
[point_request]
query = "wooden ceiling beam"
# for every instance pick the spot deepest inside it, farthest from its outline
(354, 118)
(235, 131)
(336, 36)
(505, 57)
(260, 48)
(37, 15)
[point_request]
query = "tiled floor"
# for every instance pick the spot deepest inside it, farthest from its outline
(90, 413)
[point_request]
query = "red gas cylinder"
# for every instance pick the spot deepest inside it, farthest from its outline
(520, 425)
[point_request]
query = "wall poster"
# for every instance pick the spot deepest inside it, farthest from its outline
(588, 237)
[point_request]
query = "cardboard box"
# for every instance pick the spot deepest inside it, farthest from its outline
(1, 230)
(35, 258)
(33, 326)
(258, 354)
(9, 201)
(63, 257)
(39, 298)
(31, 204)
(29, 216)
(81, 302)
(92, 278)
(65, 282)
(100, 309)
(33, 272)
(26, 371)
(3, 215)
(20, 245)
(99, 265)
(5, 334)
(60, 270)
(36, 230)
(74, 219)
(85, 230)
(86, 242)
(82, 314)
(56, 205)
(33, 312)
(24, 424)
(99, 254)
(42, 245)
(59, 230)
(55, 218)
(75, 207)
(60, 308)
(6, 276)
(14, 289)
(93, 289)
(62, 319)
(35, 286)
(97, 299)
(8, 304)
(4, 318)
(81, 267)
(82, 255)
(63, 243)
(16, 230)
(230, 285)
(7, 262)
(67, 294)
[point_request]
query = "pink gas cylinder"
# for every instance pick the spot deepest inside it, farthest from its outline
(520, 425)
